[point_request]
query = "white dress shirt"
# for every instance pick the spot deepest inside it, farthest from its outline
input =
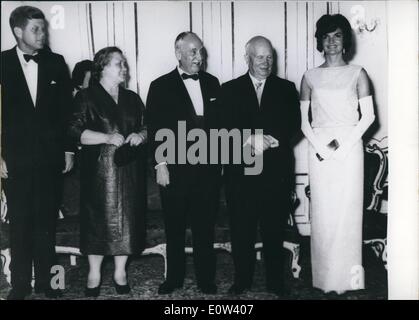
(256, 83)
(194, 90)
(195, 93)
(30, 70)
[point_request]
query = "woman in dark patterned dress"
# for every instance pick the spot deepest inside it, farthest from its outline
(107, 122)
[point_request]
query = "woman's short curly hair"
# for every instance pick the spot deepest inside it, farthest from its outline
(102, 59)
(329, 23)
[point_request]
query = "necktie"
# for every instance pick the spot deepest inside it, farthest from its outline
(190, 76)
(258, 86)
(29, 57)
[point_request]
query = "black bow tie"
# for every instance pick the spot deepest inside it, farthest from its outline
(190, 76)
(28, 57)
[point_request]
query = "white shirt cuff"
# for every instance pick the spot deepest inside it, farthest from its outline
(159, 164)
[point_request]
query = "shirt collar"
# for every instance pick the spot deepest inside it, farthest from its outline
(182, 71)
(254, 80)
(20, 54)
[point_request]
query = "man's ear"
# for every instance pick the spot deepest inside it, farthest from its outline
(18, 32)
(246, 58)
(178, 54)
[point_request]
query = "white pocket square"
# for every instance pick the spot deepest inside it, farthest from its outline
(53, 82)
(213, 99)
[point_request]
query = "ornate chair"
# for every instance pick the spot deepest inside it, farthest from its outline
(375, 197)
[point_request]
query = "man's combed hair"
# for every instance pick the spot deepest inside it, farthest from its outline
(21, 16)
(329, 23)
(182, 35)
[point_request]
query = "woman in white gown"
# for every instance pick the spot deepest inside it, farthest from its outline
(339, 98)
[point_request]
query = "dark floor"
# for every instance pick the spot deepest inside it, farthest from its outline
(146, 272)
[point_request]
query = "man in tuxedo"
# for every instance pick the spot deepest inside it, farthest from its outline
(189, 193)
(260, 100)
(36, 100)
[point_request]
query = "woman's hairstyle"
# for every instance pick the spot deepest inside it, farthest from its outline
(79, 72)
(101, 59)
(329, 23)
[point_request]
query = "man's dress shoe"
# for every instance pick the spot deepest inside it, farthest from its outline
(19, 294)
(209, 288)
(167, 287)
(238, 289)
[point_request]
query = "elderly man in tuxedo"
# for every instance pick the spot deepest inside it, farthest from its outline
(189, 192)
(36, 102)
(260, 100)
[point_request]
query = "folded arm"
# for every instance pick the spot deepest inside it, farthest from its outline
(79, 131)
(139, 135)
(90, 137)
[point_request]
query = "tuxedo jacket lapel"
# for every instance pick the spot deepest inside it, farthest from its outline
(250, 89)
(20, 79)
(266, 93)
(184, 95)
(205, 95)
(42, 81)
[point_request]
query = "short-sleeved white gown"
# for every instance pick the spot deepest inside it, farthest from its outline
(336, 186)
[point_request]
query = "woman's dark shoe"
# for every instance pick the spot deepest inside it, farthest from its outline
(92, 292)
(122, 289)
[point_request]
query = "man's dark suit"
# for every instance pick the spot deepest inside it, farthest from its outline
(33, 144)
(192, 195)
(263, 198)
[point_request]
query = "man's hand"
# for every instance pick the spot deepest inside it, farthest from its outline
(69, 162)
(3, 169)
(273, 141)
(162, 175)
(259, 143)
(135, 139)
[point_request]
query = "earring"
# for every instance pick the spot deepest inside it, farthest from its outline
(344, 51)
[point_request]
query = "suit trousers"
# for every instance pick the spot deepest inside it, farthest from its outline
(32, 212)
(195, 205)
(253, 205)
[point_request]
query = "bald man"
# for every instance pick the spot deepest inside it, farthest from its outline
(260, 100)
(189, 193)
